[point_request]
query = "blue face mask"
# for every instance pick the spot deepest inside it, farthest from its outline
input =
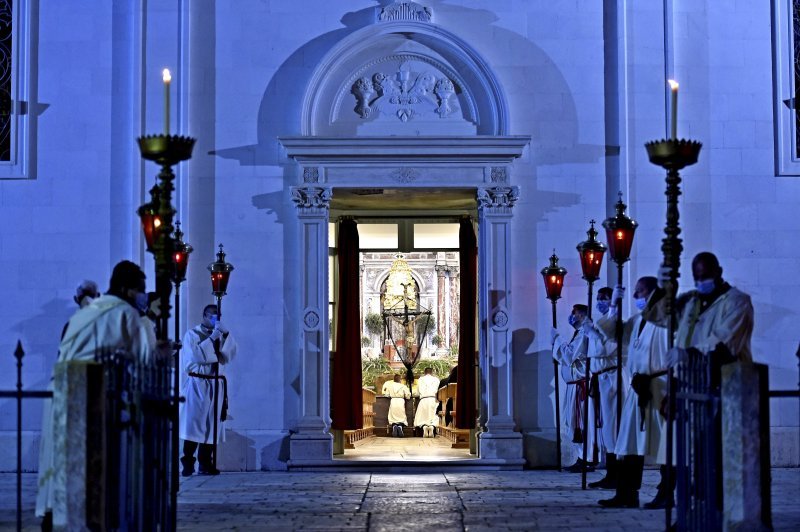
(141, 302)
(213, 320)
(602, 307)
(573, 320)
(640, 302)
(705, 287)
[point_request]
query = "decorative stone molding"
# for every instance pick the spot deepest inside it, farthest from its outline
(311, 174)
(405, 175)
(402, 11)
(316, 198)
(499, 174)
(500, 199)
(311, 319)
(404, 94)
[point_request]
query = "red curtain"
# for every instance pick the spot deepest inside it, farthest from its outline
(346, 400)
(466, 386)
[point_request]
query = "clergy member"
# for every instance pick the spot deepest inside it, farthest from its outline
(397, 406)
(208, 348)
(426, 417)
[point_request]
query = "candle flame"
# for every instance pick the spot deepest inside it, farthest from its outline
(166, 76)
(673, 84)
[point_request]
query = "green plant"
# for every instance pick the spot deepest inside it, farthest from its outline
(372, 368)
(365, 341)
(437, 340)
(439, 367)
(430, 323)
(373, 322)
(454, 350)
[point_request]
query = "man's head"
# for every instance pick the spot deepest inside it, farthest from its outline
(604, 299)
(428, 371)
(579, 313)
(397, 377)
(707, 272)
(210, 316)
(86, 292)
(127, 282)
(643, 289)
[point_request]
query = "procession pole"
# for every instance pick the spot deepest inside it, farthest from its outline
(586, 401)
(216, 390)
(558, 403)
(553, 276)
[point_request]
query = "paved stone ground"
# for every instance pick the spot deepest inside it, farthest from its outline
(527, 500)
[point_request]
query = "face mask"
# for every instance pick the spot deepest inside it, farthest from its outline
(573, 320)
(640, 302)
(86, 301)
(705, 287)
(141, 301)
(213, 320)
(602, 307)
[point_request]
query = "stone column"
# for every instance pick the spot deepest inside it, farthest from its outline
(745, 447)
(453, 304)
(441, 304)
(312, 441)
(498, 440)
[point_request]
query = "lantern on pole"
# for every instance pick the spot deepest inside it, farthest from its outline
(150, 219)
(619, 234)
(220, 274)
(553, 276)
(591, 253)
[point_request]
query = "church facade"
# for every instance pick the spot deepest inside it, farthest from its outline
(528, 118)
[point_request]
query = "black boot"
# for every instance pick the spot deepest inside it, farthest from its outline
(187, 460)
(206, 460)
(608, 482)
(626, 499)
(664, 493)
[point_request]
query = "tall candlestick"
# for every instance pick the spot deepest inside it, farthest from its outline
(167, 79)
(673, 85)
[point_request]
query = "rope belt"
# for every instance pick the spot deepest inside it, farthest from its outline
(613, 368)
(581, 389)
(224, 410)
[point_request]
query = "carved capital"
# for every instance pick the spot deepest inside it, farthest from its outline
(312, 198)
(310, 174)
(497, 200)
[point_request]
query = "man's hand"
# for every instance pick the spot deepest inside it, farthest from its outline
(221, 328)
(675, 356)
(216, 334)
(553, 335)
(662, 277)
(617, 294)
(588, 327)
(164, 350)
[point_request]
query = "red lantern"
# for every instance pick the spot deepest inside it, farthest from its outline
(619, 232)
(553, 276)
(151, 221)
(591, 253)
(180, 256)
(220, 272)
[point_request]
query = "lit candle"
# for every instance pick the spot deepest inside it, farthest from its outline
(167, 79)
(673, 85)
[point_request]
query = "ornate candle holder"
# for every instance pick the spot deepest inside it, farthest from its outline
(672, 155)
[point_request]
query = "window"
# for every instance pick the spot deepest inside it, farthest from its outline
(786, 85)
(16, 109)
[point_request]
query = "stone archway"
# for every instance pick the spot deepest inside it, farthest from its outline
(362, 128)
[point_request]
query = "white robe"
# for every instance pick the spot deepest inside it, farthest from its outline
(197, 411)
(397, 406)
(108, 323)
(572, 358)
(427, 385)
(646, 352)
(601, 359)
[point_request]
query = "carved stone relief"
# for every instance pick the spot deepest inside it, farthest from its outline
(405, 175)
(497, 197)
(311, 197)
(311, 174)
(499, 174)
(405, 11)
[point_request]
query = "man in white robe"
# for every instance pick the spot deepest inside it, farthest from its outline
(712, 314)
(426, 417)
(398, 392)
(641, 424)
(603, 366)
(106, 324)
(207, 349)
(572, 356)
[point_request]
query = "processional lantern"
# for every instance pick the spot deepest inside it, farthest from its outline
(180, 256)
(619, 233)
(149, 217)
(553, 276)
(220, 273)
(591, 253)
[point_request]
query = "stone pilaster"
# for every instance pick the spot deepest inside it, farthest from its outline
(498, 438)
(312, 441)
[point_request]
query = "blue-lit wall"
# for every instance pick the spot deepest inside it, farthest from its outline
(240, 68)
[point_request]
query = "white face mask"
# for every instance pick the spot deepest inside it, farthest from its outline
(640, 302)
(86, 301)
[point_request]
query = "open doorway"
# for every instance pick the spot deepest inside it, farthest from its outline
(409, 328)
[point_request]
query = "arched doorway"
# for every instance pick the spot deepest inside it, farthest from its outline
(404, 104)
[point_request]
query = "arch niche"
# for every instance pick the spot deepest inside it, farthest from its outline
(406, 103)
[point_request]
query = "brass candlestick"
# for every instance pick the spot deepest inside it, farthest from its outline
(672, 155)
(166, 151)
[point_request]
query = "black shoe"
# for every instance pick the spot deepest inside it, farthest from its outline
(621, 501)
(187, 472)
(47, 522)
(604, 484)
(188, 465)
(577, 467)
(658, 503)
(210, 470)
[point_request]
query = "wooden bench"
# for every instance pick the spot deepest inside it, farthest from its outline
(353, 438)
(459, 438)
